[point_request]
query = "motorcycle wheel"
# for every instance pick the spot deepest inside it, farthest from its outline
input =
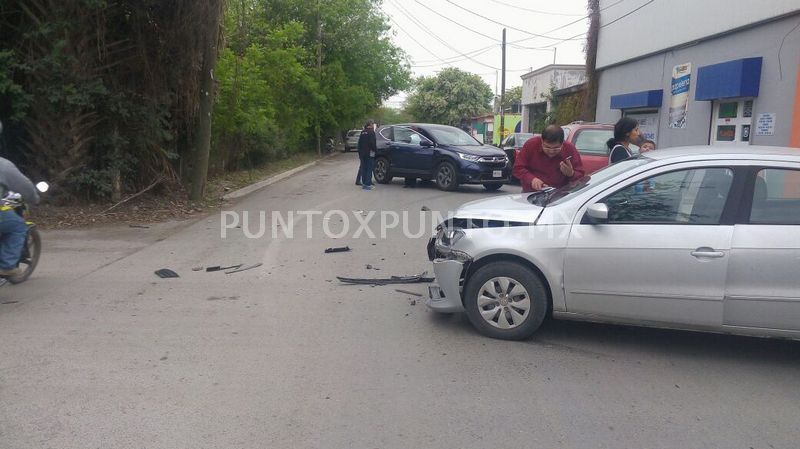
(30, 257)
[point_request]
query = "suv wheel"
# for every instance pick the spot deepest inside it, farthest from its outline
(447, 176)
(505, 300)
(381, 171)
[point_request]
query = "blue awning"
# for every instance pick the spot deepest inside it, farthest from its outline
(739, 78)
(643, 99)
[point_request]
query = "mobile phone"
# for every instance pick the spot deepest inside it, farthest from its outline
(567, 158)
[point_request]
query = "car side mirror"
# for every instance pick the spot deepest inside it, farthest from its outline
(426, 143)
(598, 212)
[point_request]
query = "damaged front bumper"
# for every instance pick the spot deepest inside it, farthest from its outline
(445, 295)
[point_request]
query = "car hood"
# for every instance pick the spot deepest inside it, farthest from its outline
(483, 150)
(510, 208)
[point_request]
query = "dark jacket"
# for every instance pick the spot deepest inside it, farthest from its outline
(367, 143)
(618, 153)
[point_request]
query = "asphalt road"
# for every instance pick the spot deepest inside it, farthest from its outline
(98, 352)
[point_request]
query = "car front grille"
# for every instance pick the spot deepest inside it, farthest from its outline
(494, 161)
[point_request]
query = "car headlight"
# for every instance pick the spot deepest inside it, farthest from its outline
(445, 239)
(469, 157)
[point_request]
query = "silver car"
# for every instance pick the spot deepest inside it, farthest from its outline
(351, 141)
(702, 238)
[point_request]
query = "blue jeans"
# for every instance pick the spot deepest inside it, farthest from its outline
(13, 232)
(366, 170)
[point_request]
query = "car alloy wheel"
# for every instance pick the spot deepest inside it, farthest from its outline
(381, 171)
(446, 176)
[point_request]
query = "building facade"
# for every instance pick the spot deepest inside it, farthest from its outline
(537, 87)
(717, 71)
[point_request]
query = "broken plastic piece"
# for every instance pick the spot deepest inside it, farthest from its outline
(219, 268)
(166, 273)
(249, 267)
(407, 292)
(420, 278)
(341, 249)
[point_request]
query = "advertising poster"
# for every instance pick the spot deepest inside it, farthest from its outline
(681, 80)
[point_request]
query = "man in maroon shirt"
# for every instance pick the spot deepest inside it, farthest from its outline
(547, 161)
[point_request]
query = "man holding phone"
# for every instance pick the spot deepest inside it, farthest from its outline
(547, 161)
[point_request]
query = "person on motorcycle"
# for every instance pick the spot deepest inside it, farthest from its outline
(13, 229)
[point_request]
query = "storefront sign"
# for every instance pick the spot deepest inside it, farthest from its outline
(681, 80)
(765, 124)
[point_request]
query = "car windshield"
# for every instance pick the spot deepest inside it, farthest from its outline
(565, 193)
(522, 138)
(448, 135)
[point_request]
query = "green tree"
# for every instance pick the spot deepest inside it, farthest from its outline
(449, 97)
(513, 95)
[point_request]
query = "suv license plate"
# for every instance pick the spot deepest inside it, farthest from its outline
(497, 174)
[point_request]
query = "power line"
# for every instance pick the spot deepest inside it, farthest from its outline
(604, 25)
(475, 52)
(534, 10)
(502, 24)
(451, 61)
(453, 21)
(429, 31)
(564, 26)
(415, 40)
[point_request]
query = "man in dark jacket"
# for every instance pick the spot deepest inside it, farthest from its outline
(547, 161)
(367, 147)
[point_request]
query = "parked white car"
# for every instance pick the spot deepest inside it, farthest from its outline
(703, 238)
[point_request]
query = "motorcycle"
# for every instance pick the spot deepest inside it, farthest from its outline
(32, 248)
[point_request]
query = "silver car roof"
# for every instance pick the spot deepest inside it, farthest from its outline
(704, 152)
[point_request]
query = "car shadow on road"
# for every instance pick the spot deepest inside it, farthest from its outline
(463, 188)
(598, 338)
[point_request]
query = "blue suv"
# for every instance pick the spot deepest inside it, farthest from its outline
(438, 152)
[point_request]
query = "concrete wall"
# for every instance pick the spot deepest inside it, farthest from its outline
(777, 91)
(536, 87)
(665, 24)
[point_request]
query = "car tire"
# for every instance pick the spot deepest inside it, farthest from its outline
(490, 296)
(492, 187)
(446, 176)
(381, 171)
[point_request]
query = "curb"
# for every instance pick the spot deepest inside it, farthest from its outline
(272, 179)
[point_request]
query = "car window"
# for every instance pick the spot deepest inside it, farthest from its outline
(593, 141)
(523, 138)
(408, 135)
(386, 132)
(353, 133)
(695, 196)
(448, 135)
(776, 197)
(509, 142)
(566, 193)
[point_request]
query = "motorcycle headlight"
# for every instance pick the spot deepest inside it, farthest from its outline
(469, 157)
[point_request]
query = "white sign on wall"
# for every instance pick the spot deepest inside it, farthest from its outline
(765, 124)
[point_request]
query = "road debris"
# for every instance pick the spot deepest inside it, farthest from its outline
(219, 268)
(139, 226)
(425, 209)
(199, 268)
(416, 279)
(408, 292)
(249, 267)
(166, 273)
(341, 249)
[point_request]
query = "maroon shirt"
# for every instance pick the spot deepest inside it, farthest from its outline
(531, 162)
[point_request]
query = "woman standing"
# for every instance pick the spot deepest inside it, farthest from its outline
(625, 131)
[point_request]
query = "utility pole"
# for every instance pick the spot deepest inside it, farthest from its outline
(503, 92)
(555, 49)
(319, 73)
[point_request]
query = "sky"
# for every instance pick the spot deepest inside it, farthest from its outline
(451, 38)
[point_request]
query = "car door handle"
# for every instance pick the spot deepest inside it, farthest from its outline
(707, 253)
